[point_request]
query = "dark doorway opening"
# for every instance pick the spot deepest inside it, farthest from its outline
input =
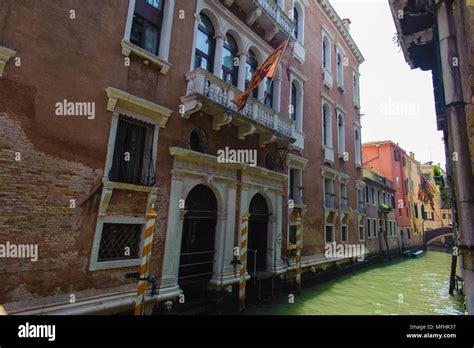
(257, 235)
(197, 244)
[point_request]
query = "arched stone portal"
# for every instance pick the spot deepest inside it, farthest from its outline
(257, 235)
(198, 240)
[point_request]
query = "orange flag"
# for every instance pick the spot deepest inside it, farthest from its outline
(267, 69)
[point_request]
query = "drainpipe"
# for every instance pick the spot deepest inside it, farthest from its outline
(454, 218)
(459, 144)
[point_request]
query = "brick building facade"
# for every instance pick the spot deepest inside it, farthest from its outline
(127, 107)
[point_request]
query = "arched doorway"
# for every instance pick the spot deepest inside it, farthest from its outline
(257, 235)
(197, 243)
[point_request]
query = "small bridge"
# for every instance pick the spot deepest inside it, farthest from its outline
(433, 235)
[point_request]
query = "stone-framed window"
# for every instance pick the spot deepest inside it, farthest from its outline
(198, 140)
(120, 242)
(355, 89)
(369, 228)
(357, 146)
(341, 133)
(326, 128)
(111, 232)
(148, 31)
(297, 81)
(344, 233)
(361, 232)
(205, 44)
(329, 234)
(340, 68)
(230, 70)
(146, 25)
(133, 153)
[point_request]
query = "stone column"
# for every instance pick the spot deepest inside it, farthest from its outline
(165, 38)
(277, 91)
(169, 276)
(220, 37)
(241, 77)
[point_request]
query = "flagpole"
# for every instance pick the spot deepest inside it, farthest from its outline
(273, 77)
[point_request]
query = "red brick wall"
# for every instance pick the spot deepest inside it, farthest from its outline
(63, 157)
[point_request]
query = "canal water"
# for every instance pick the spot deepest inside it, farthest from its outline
(404, 286)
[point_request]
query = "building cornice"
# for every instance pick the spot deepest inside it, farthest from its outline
(119, 99)
(296, 161)
(336, 20)
(205, 159)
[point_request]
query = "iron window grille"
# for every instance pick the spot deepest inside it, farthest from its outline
(119, 242)
(133, 153)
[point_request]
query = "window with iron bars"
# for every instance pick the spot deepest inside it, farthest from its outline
(133, 153)
(120, 242)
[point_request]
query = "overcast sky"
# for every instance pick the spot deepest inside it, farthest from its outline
(398, 102)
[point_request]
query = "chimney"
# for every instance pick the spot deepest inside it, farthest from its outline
(347, 23)
(412, 155)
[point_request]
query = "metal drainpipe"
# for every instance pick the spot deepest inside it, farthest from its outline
(459, 143)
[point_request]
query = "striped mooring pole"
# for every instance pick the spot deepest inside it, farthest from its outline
(298, 253)
(244, 227)
(145, 264)
(2, 310)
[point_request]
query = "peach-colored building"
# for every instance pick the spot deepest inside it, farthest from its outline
(390, 160)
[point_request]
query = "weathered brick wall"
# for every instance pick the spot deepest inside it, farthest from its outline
(34, 200)
(130, 203)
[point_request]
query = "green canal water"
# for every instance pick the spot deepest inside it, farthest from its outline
(405, 286)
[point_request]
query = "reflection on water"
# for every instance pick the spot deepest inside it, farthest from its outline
(405, 286)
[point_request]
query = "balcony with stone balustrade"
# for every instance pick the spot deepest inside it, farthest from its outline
(266, 14)
(212, 96)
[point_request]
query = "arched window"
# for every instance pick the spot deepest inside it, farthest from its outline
(296, 22)
(205, 44)
(358, 159)
(341, 141)
(327, 135)
(294, 101)
(146, 25)
(340, 70)
(326, 54)
(268, 92)
(355, 89)
(250, 67)
(229, 68)
(270, 161)
(198, 140)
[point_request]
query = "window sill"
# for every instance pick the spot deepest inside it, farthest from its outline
(128, 48)
(327, 78)
(341, 88)
(299, 52)
(328, 154)
(130, 187)
(114, 264)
